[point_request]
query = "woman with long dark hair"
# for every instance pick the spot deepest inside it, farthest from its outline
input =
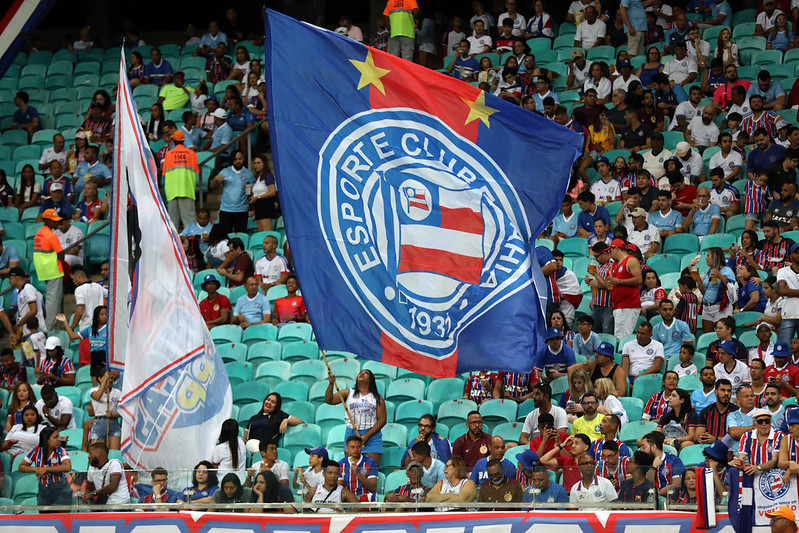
(367, 408)
(105, 399)
(204, 483)
(264, 193)
(155, 126)
(136, 69)
(674, 424)
(24, 436)
(230, 454)
(747, 252)
(217, 246)
(97, 334)
(267, 489)
(50, 462)
(21, 396)
(750, 290)
(271, 422)
(232, 491)
(29, 189)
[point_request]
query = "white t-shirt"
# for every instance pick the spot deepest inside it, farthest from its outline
(790, 306)
(100, 407)
(693, 165)
(102, 476)
(685, 109)
(27, 296)
(531, 422)
(766, 355)
(704, 47)
(773, 307)
(270, 270)
(643, 239)
(767, 22)
(606, 192)
(26, 439)
(314, 478)
(588, 34)
(51, 155)
(577, 8)
(219, 249)
(89, 295)
(703, 134)
(678, 69)
(73, 234)
(603, 88)
(221, 456)
(519, 23)
(581, 74)
(666, 10)
(601, 490)
(690, 370)
(64, 406)
(642, 357)
(739, 375)
(616, 407)
(477, 44)
(621, 83)
(279, 469)
(728, 163)
(725, 197)
(654, 163)
(744, 109)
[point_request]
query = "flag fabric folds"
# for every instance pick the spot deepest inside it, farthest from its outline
(21, 20)
(175, 389)
(411, 203)
(705, 498)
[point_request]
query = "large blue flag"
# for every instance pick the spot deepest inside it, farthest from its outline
(411, 201)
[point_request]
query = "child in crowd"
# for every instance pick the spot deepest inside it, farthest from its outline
(488, 74)
(585, 341)
(686, 366)
(32, 353)
(687, 308)
(508, 89)
(734, 124)
(740, 143)
(505, 39)
(757, 195)
(314, 474)
(480, 386)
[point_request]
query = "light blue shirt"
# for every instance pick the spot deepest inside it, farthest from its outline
(192, 138)
(672, 338)
(234, 197)
(669, 221)
(539, 100)
(221, 136)
(700, 401)
(725, 8)
(99, 170)
(586, 348)
(778, 418)
(193, 228)
(434, 474)
(636, 14)
(769, 95)
(567, 227)
(252, 309)
(738, 419)
(211, 41)
(9, 254)
(704, 218)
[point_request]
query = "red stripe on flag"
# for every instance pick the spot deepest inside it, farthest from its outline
(461, 267)
(12, 11)
(397, 355)
(461, 219)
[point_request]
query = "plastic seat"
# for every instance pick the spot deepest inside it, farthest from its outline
(27, 151)
(199, 276)
(444, 389)
(497, 412)
(73, 393)
(409, 413)
(395, 435)
(299, 351)
(297, 392)
(721, 240)
(247, 411)
(346, 369)
(633, 406)
(645, 386)
(663, 264)
(744, 318)
(238, 372)
(510, 431)
(455, 411)
(272, 373)
(295, 332)
(712, 33)
(690, 383)
(14, 138)
(43, 138)
(75, 440)
(80, 461)
(334, 437)
(602, 53)
(396, 479)
(232, 352)
(406, 389)
(681, 243)
(308, 371)
(250, 392)
(263, 351)
(767, 57)
(259, 333)
(26, 487)
(693, 455)
(329, 416)
(574, 247)
(305, 411)
(632, 431)
(226, 333)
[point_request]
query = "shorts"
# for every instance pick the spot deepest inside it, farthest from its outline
(373, 445)
(58, 493)
(101, 424)
(427, 47)
(265, 208)
(712, 312)
(754, 216)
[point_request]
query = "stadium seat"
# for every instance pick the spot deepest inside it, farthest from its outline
(405, 389)
(247, 411)
(681, 243)
(334, 438)
(74, 438)
(767, 57)
(80, 461)
(271, 373)
(632, 431)
(721, 240)
(744, 318)
(398, 478)
(250, 392)
(300, 351)
(346, 369)
(633, 406)
(645, 386)
(231, 352)
(511, 453)
(259, 333)
(329, 416)
(238, 372)
(692, 455)
(602, 53)
(199, 276)
(496, 412)
(302, 436)
(510, 431)
(226, 333)
(409, 413)
(14, 138)
(305, 411)
(26, 487)
(663, 264)
(396, 435)
(309, 372)
(704, 341)
(712, 33)
(295, 332)
(574, 247)
(297, 392)
(749, 338)
(690, 383)
(73, 393)
(563, 41)
(444, 389)
(455, 411)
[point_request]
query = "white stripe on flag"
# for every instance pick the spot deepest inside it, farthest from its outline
(446, 240)
(16, 24)
(469, 199)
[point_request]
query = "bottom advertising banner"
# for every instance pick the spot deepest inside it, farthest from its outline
(496, 522)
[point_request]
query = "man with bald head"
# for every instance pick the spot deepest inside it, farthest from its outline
(703, 218)
(496, 450)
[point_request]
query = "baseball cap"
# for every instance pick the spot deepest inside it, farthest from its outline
(761, 412)
(781, 124)
(81, 135)
(624, 63)
(220, 113)
(682, 148)
(415, 463)
(617, 243)
(784, 511)
(793, 248)
(56, 187)
(553, 333)
(781, 349)
(17, 271)
(762, 325)
(321, 451)
(631, 247)
(52, 343)
(527, 459)
(577, 53)
(602, 159)
(792, 416)
(728, 346)
(51, 214)
(638, 212)
(212, 97)
(605, 349)
(178, 136)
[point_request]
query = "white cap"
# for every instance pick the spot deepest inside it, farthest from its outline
(52, 343)
(220, 113)
(761, 412)
(682, 148)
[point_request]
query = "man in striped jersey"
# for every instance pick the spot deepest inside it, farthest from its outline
(759, 448)
(358, 471)
(667, 469)
(601, 309)
(759, 117)
(711, 423)
(612, 466)
(609, 427)
(412, 490)
(658, 404)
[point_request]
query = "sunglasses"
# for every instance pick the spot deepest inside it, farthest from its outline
(763, 421)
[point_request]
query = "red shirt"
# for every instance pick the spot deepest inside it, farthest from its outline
(243, 264)
(622, 296)
(571, 472)
(287, 309)
(686, 196)
(789, 373)
(536, 442)
(211, 310)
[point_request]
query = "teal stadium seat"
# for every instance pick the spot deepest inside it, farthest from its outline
(238, 372)
(297, 392)
(329, 416)
(645, 386)
(496, 412)
(226, 333)
(632, 431)
(510, 431)
(302, 436)
(346, 369)
(232, 352)
(406, 389)
(250, 392)
(633, 406)
(767, 57)
(693, 455)
(259, 333)
(574, 247)
(305, 411)
(444, 389)
(300, 350)
(690, 383)
(273, 372)
(395, 435)
(722, 240)
(455, 411)
(295, 332)
(681, 243)
(308, 371)
(409, 412)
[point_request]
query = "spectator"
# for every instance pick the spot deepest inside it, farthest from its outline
(565, 456)
(764, 156)
(634, 16)
(270, 424)
(625, 70)
(772, 395)
(331, 490)
(231, 491)
(750, 293)
(788, 282)
(238, 266)
(609, 427)
(252, 308)
(667, 468)
(589, 214)
(637, 488)
(608, 403)
(591, 487)
(782, 372)
(787, 459)
(727, 159)
(56, 152)
(643, 355)
(440, 447)
(711, 422)
(775, 248)
(28, 190)
(722, 96)
(772, 97)
(456, 487)
(271, 269)
(716, 286)
(314, 475)
(222, 136)
(759, 117)
(50, 463)
(723, 194)
(105, 399)
(411, 492)
(55, 369)
(480, 387)
(783, 520)
(545, 491)
(603, 365)
(106, 477)
(590, 422)
(514, 386)
(645, 236)
(675, 421)
(26, 117)
(592, 32)
(737, 372)
(766, 18)
(215, 307)
(606, 189)
(682, 69)
(716, 456)
(158, 71)
(474, 444)
(24, 435)
(269, 462)
(671, 332)
(496, 451)
(625, 281)
(540, 24)
(90, 171)
(612, 466)
(586, 341)
(579, 69)
(210, 40)
(601, 309)
(698, 50)
(358, 471)
(230, 454)
(702, 131)
(542, 399)
(655, 158)
(637, 135)
(702, 398)
(556, 357)
(762, 350)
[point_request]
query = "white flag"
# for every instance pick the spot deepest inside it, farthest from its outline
(175, 391)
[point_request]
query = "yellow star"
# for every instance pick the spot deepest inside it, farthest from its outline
(370, 74)
(479, 109)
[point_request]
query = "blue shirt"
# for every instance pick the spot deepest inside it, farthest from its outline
(252, 309)
(636, 14)
(97, 343)
(586, 348)
(673, 36)
(760, 160)
(769, 95)
(781, 41)
(539, 100)
(586, 221)
(27, 116)
(704, 218)
(9, 254)
(157, 74)
(744, 294)
(434, 474)
(239, 122)
(700, 401)
(669, 221)
(193, 138)
(480, 474)
(221, 136)
(557, 362)
(554, 494)
(211, 41)
(672, 338)
(204, 493)
(440, 448)
(234, 197)
(725, 8)
(63, 208)
(738, 419)
(97, 170)
(567, 227)
(193, 228)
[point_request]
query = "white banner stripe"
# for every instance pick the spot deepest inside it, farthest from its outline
(460, 199)
(16, 24)
(446, 240)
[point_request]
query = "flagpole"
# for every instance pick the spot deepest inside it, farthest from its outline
(338, 392)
